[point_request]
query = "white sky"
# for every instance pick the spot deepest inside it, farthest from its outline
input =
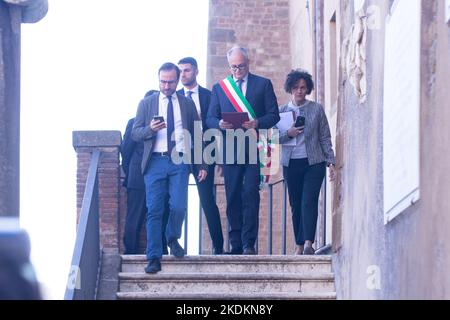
(86, 66)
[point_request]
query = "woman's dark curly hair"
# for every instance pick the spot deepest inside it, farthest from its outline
(294, 76)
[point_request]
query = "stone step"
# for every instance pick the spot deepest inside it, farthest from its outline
(225, 296)
(226, 283)
(232, 264)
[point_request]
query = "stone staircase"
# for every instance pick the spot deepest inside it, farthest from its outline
(229, 278)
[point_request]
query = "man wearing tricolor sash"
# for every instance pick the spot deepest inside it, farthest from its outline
(242, 92)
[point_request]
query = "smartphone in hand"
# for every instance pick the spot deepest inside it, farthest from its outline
(300, 122)
(158, 118)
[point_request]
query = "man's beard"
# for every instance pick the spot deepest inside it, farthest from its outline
(189, 83)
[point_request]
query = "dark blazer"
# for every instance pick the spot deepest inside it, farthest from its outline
(259, 94)
(149, 107)
(132, 152)
(205, 99)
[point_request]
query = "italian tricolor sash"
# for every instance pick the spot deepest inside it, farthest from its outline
(240, 104)
(236, 97)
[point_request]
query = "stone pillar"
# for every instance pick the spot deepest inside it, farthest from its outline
(108, 142)
(12, 14)
(9, 109)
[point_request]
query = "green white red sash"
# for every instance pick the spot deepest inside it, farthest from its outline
(236, 97)
(240, 104)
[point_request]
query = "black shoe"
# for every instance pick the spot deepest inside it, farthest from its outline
(308, 250)
(175, 249)
(249, 251)
(236, 251)
(217, 251)
(153, 266)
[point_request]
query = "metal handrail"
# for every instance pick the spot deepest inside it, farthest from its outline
(269, 220)
(84, 272)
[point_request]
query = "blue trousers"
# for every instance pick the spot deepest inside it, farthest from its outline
(165, 179)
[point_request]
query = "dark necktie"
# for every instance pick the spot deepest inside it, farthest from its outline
(240, 84)
(189, 96)
(170, 125)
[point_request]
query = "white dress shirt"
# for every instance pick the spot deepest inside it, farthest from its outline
(161, 137)
(244, 84)
(195, 97)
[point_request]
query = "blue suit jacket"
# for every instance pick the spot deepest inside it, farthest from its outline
(259, 94)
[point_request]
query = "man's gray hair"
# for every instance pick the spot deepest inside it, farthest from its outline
(237, 48)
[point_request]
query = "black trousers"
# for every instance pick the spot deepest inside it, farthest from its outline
(208, 203)
(136, 213)
(304, 183)
(242, 193)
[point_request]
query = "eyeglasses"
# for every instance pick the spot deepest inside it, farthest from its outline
(239, 67)
(163, 82)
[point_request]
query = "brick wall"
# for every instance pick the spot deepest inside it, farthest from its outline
(262, 27)
(108, 142)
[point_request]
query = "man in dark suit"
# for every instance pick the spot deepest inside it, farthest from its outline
(242, 179)
(201, 97)
(165, 123)
(131, 152)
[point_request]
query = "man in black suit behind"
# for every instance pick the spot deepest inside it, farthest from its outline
(201, 97)
(131, 152)
(242, 179)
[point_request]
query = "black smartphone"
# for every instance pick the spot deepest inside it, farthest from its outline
(158, 118)
(300, 122)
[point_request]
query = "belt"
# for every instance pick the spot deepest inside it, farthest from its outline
(166, 154)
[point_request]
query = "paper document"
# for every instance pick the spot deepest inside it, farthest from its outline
(287, 120)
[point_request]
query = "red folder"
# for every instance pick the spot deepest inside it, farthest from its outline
(235, 118)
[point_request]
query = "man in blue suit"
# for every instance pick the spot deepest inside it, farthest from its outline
(165, 123)
(131, 152)
(201, 97)
(242, 180)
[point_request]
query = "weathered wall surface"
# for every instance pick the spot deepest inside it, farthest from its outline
(301, 31)
(409, 255)
(434, 250)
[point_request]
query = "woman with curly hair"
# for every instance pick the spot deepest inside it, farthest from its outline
(305, 161)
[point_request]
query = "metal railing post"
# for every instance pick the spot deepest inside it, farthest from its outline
(283, 221)
(269, 222)
(186, 222)
(324, 216)
(200, 220)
